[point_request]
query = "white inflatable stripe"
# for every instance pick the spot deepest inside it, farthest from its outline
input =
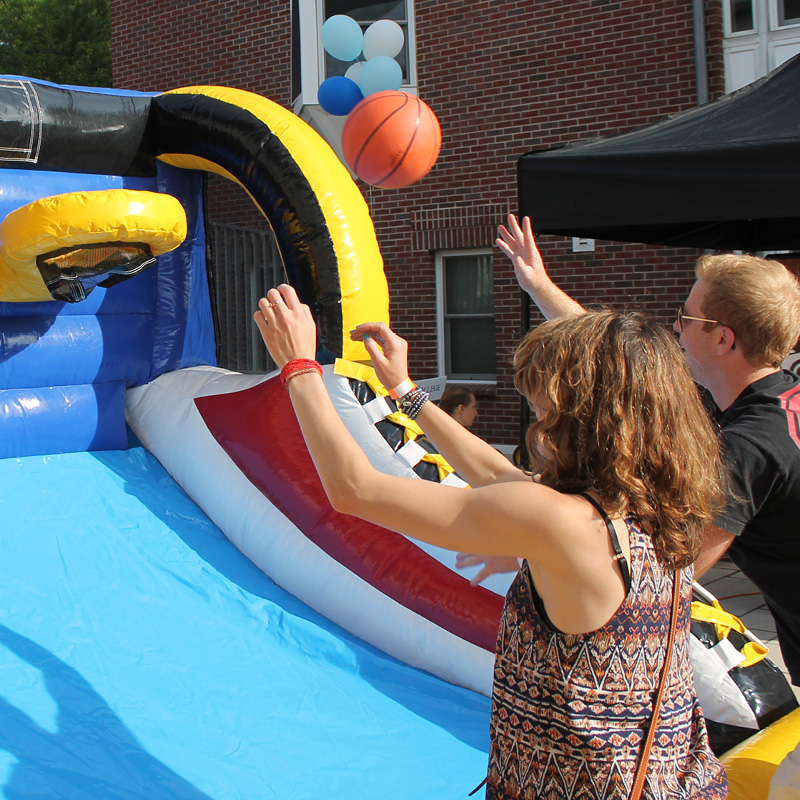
(720, 698)
(411, 453)
(453, 480)
(164, 417)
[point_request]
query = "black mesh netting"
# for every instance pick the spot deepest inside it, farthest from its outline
(71, 274)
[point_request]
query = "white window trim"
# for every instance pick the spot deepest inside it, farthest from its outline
(728, 22)
(773, 19)
(312, 54)
(765, 18)
(308, 29)
(440, 255)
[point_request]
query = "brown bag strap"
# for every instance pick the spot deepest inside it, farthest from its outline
(641, 771)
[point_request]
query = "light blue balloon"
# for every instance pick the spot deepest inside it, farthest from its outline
(378, 74)
(342, 37)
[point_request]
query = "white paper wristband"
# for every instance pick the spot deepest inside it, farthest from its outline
(402, 388)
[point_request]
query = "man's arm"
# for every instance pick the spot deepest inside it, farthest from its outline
(752, 474)
(519, 244)
(715, 542)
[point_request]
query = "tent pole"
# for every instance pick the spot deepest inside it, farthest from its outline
(700, 62)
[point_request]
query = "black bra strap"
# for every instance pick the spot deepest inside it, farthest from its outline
(618, 554)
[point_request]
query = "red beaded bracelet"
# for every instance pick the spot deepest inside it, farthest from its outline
(297, 365)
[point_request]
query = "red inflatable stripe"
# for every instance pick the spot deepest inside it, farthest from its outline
(258, 429)
(790, 403)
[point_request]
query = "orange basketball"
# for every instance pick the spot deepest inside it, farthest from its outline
(391, 139)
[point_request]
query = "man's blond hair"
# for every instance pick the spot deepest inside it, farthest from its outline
(758, 299)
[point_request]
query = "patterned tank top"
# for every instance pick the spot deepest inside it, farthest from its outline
(570, 711)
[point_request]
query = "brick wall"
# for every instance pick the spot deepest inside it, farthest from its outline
(165, 44)
(503, 78)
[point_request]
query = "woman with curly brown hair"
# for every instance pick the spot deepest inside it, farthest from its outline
(627, 473)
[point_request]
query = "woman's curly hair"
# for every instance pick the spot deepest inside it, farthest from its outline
(620, 414)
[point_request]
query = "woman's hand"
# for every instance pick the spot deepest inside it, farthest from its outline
(388, 351)
(492, 565)
(286, 326)
(519, 244)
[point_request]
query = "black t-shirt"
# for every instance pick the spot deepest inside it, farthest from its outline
(761, 442)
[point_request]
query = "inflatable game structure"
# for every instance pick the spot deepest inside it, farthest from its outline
(183, 614)
(141, 654)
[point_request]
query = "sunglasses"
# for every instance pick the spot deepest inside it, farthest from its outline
(682, 317)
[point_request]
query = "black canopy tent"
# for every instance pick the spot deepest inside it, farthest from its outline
(723, 176)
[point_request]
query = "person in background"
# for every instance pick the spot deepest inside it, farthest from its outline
(740, 321)
(460, 404)
(628, 474)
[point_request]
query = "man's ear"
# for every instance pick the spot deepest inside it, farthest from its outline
(727, 340)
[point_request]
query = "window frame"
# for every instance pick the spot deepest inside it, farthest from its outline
(312, 54)
(774, 23)
(749, 56)
(441, 357)
(728, 20)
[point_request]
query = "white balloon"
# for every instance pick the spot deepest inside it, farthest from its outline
(383, 38)
(354, 71)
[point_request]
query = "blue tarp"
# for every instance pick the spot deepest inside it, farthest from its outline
(141, 655)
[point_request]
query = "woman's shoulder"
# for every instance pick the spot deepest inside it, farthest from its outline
(535, 503)
(566, 526)
(541, 515)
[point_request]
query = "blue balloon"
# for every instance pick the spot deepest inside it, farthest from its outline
(338, 96)
(380, 73)
(342, 37)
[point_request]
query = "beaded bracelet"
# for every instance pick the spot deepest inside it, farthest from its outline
(299, 366)
(299, 372)
(411, 403)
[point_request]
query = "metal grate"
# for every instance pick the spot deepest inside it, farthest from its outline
(247, 265)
